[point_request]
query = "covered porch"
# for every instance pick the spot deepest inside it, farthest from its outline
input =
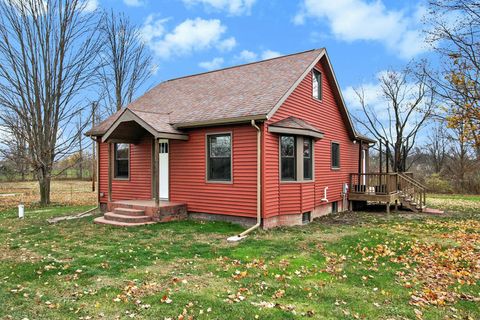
(131, 129)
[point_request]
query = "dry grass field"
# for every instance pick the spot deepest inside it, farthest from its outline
(70, 192)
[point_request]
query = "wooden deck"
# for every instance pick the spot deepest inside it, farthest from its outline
(389, 188)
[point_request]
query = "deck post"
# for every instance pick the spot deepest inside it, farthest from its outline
(110, 171)
(155, 177)
(388, 207)
(396, 205)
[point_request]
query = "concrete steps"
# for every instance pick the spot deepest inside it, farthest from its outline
(125, 217)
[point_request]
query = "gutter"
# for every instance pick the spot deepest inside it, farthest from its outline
(259, 190)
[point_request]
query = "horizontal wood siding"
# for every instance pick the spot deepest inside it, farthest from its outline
(286, 198)
(138, 186)
(188, 173)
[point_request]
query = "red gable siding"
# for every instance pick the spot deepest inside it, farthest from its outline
(289, 198)
(188, 173)
(139, 184)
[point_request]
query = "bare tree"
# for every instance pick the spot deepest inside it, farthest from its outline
(14, 148)
(436, 146)
(125, 59)
(48, 51)
(408, 104)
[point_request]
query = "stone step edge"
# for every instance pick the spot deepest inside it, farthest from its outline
(102, 220)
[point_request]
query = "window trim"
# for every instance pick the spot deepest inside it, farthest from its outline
(114, 166)
(311, 158)
(207, 180)
(298, 164)
(314, 70)
(332, 167)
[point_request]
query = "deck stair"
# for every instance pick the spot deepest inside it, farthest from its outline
(411, 192)
(125, 217)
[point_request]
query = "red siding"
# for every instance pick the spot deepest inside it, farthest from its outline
(287, 198)
(139, 184)
(188, 173)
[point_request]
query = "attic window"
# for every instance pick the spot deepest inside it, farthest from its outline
(317, 84)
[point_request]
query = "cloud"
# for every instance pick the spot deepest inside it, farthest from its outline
(215, 63)
(227, 44)
(352, 20)
(134, 3)
(233, 7)
(247, 56)
(192, 35)
(250, 56)
(269, 54)
(153, 27)
(90, 5)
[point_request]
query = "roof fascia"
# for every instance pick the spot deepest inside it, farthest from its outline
(339, 96)
(295, 85)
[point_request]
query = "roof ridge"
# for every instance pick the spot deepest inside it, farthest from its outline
(240, 65)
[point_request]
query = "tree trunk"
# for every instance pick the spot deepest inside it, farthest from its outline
(44, 179)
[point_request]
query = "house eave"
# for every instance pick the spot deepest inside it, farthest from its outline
(218, 122)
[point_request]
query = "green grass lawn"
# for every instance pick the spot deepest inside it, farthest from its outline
(345, 266)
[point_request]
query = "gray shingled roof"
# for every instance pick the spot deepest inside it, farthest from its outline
(242, 91)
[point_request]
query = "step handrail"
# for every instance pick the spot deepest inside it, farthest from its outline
(411, 180)
(421, 193)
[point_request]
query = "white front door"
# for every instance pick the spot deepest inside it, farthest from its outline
(163, 170)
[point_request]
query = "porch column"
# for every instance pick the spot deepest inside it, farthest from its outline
(110, 171)
(155, 177)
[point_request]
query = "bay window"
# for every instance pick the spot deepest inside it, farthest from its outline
(296, 158)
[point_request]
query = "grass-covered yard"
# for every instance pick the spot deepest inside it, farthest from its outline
(345, 266)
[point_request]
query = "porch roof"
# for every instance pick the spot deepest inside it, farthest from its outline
(293, 125)
(131, 124)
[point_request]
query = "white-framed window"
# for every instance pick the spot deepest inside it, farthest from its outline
(121, 165)
(335, 155)
(317, 84)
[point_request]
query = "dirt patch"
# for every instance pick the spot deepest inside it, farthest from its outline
(19, 255)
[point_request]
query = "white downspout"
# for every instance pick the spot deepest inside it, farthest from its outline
(259, 189)
(324, 199)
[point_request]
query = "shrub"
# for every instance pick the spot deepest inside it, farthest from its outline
(436, 183)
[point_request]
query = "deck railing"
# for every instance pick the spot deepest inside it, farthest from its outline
(388, 183)
(373, 183)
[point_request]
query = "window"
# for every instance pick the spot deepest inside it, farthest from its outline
(288, 157)
(307, 159)
(334, 207)
(317, 84)
(306, 216)
(121, 163)
(296, 158)
(219, 154)
(335, 155)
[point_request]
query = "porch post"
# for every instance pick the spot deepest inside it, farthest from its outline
(110, 171)
(155, 177)
(360, 153)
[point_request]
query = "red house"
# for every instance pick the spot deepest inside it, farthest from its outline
(268, 142)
